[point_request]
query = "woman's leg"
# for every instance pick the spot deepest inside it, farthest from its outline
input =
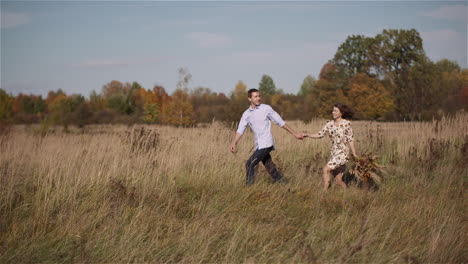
(339, 180)
(326, 178)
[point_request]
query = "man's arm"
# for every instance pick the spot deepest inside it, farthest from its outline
(237, 136)
(240, 131)
(275, 117)
(290, 130)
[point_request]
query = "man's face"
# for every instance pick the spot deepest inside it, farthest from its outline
(255, 98)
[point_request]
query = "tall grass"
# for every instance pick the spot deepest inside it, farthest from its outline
(179, 196)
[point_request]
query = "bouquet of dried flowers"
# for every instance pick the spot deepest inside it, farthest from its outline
(365, 168)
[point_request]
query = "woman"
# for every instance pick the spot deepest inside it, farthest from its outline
(341, 134)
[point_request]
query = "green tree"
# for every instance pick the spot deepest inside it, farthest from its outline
(151, 113)
(26, 104)
(114, 87)
(136, 98)
(119, 97)
(60, 110)
(398, 50)
(422, 93)
(6, 105)
(454, 91)
(446, 65)
(80, 111)
(28, 108)
(307, 86)
(131, 94)
(267, 86)
(96, 102)
(119, 103)
(354, 55)
(40, 105)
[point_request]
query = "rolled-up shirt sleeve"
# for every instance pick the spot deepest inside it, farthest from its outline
(242, 124)
(275, 117)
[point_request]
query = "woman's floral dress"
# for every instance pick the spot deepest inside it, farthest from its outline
(340, 136)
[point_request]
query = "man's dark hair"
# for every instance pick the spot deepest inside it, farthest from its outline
(253, 90)
(346, 112)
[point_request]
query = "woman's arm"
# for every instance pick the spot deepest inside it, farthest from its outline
(319, 134)
(349, 134)
(290, 130)
(316, 135)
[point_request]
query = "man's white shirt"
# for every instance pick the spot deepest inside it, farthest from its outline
(258, 119)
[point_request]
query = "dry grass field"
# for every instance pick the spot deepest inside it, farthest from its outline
(102, 195)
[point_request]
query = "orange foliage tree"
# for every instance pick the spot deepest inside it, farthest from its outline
(238, 103)
(327, 92)
(369, 98)
(179, 111)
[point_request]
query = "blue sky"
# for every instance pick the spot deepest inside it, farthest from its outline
(79, 46)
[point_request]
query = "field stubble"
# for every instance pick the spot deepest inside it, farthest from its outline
(165, 194)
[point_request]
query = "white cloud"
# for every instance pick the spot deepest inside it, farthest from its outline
(209, 40)
(11, 20)
(450, 12)
(447, 44)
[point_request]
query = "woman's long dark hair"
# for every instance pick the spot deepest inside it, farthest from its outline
(346, 112)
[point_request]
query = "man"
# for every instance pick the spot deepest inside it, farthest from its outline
(258, 117)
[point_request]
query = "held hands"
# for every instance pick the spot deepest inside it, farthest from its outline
(299, 136)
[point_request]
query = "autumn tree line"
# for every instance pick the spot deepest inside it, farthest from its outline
(387, 77)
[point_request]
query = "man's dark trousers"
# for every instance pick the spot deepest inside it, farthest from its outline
(262, 155)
